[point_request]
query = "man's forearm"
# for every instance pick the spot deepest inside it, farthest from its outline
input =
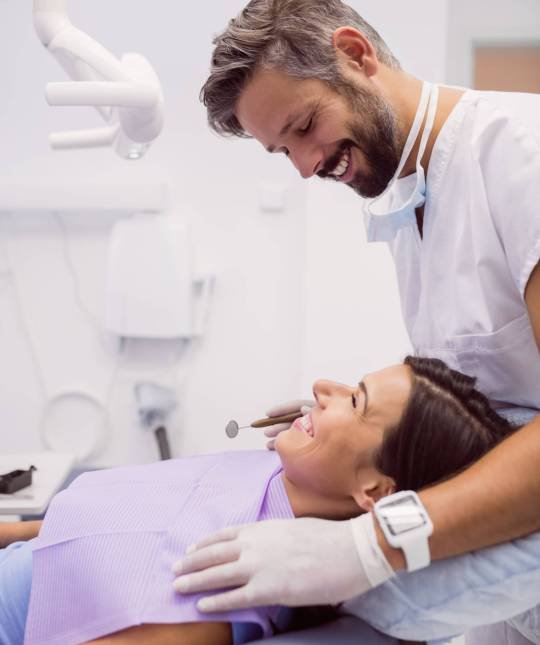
(17, 531)
(495, 500)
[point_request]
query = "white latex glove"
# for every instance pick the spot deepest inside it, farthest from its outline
(304, 405)
(284, 562)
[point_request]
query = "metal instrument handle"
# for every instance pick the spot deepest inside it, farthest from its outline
(272, 421)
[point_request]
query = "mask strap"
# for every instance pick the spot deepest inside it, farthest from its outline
(415, 128)
(411, 139)
(430, 120)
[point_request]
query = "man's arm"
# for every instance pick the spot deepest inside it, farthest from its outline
(17, 531)
(495, 500)
(498, 498)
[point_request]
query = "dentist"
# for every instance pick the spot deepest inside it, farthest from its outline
(452, 181)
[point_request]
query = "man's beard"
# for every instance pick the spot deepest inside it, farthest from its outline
(376, 133)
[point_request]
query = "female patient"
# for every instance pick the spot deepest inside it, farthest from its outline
(101, 567)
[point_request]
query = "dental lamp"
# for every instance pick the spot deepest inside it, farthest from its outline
(126, 92)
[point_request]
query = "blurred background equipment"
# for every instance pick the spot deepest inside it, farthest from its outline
(155, 404)
(126, 92)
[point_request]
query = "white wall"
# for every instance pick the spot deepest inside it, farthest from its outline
(249, 357)
(487, 22)
(298, 295)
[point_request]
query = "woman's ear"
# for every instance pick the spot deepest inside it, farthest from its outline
(373, 490)
(354, 48)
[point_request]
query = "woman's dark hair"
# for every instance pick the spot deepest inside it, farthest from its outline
(447, 425)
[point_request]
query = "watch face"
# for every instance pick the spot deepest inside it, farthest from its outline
(402, 515)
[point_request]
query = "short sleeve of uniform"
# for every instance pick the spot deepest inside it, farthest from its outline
(508, 152)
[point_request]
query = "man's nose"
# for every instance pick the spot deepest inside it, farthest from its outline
(306, 161)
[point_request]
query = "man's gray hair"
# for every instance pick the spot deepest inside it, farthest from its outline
(292, 36)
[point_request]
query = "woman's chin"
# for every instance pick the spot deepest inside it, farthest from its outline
(292, 442)
(285, 444)
(279, 441)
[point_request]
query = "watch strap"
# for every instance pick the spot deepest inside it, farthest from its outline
(416, 551)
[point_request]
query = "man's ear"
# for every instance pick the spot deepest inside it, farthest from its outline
(354, 49)
(373, 490)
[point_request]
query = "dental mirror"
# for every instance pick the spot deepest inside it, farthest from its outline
(231, 429)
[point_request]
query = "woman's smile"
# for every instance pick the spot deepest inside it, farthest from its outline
(305, 424)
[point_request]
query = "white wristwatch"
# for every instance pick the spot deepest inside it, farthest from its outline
(406, 526)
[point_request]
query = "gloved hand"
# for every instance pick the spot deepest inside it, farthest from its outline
(304, 405)
(284, 562)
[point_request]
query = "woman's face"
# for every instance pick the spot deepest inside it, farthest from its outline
(330, 452)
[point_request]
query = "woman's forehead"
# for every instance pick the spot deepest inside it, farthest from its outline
(390, 385)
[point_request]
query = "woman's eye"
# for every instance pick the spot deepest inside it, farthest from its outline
(353, 400)
(307, 128)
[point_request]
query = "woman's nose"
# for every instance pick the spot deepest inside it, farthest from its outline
(325, 391)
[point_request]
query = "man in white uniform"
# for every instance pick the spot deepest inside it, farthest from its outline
(452, 179)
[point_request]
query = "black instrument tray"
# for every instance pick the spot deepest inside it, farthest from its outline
(15, 480)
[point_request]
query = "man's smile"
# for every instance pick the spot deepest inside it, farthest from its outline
(342, 166)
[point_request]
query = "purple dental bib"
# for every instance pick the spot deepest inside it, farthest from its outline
(103, 559)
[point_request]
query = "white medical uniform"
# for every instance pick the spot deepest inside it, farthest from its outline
(462, 284)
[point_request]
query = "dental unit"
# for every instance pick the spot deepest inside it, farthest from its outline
(126, 92)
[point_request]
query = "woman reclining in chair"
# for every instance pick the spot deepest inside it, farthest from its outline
(101, 567)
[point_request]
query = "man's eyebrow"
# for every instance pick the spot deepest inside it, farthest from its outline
(362, 386)
(292, 119)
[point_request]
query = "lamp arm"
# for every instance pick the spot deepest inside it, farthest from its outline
(100, 80)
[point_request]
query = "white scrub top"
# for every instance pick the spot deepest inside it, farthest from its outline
(462, 284)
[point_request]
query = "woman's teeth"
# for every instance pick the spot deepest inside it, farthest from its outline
(306, 424)
(342, 166)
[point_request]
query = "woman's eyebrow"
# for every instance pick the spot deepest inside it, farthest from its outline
(362, 386)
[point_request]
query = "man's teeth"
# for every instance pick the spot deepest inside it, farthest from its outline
(342, 166)
(306, 425)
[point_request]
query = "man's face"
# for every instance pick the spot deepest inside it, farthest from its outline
(349, 136)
